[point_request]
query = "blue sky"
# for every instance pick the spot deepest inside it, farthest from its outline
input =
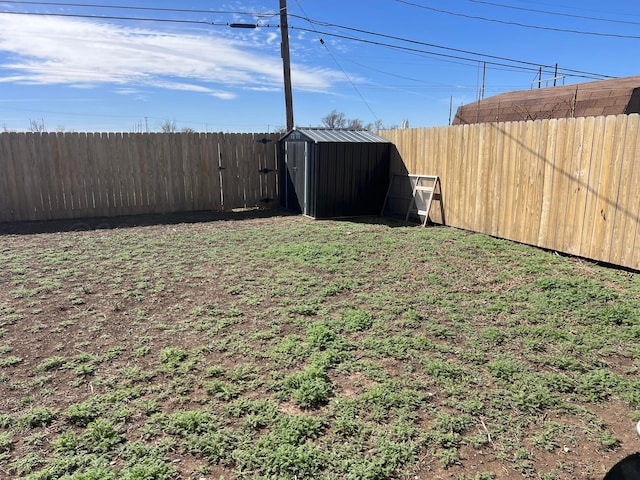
(386, 60)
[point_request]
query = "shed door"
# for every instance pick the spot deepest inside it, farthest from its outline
(295, 157)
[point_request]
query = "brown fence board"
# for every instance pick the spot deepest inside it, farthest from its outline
(456, 188)
(6, 202)
(94, 142)
(573, 189)
(497, 183)
(210, 180)
(124, 175)
(34, 166)
(537, 181)
(612, 188)
(74, 180)
(510, 168)
(21, 166)
(14, 208)
(592, 187)
(252, 167)
(243, 151)
(137, 172)
(218, 142)
(560, 185)
(85, 175)
(104, 175)
(546, 183)
(177, 173)
(250, 176)
(526, 214)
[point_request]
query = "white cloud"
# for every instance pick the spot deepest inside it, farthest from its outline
(84, 53)
(224, 95)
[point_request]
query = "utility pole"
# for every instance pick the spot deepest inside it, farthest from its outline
(540, 78)
(484, 77)
(286, 63)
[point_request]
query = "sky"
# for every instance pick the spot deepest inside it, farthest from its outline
(139, 65)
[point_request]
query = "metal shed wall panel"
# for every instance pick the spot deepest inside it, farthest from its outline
(341, 178)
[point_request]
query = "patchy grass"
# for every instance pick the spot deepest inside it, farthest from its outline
(289, 348)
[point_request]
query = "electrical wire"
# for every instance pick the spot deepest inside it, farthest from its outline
(115, 17)
(323, 43)
(446, 55)
(518, 24)
(136, 19)
(457, 50)
(582, 17)
(131, 7)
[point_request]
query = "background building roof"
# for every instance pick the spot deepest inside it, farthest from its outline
(604, 97)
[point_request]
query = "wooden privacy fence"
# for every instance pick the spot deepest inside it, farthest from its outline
(571, 185)
(71, 175)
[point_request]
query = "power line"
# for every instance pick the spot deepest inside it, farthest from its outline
(582, 17)
(323, 43)
(446, 55)
(577, 7)
(518, 24)
(457, 50)
(156, 9)
(115, 17)
(141, 19)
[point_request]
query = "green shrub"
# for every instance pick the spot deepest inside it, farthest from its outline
(309, 388)
(36, 417)
(357, 320)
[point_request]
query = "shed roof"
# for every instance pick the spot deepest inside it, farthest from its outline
(605, 97)
(337, 135)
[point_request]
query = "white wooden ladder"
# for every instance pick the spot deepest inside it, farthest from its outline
(424, 188)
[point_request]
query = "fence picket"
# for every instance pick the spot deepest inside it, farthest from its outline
(612, 188)
(546, 185)
(6, 202)
(15, 206)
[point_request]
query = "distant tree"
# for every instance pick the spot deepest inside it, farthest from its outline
(187, 130)
(35, 126)
(335, 120)
(169, 126)
(338, 120)
(355, 124)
